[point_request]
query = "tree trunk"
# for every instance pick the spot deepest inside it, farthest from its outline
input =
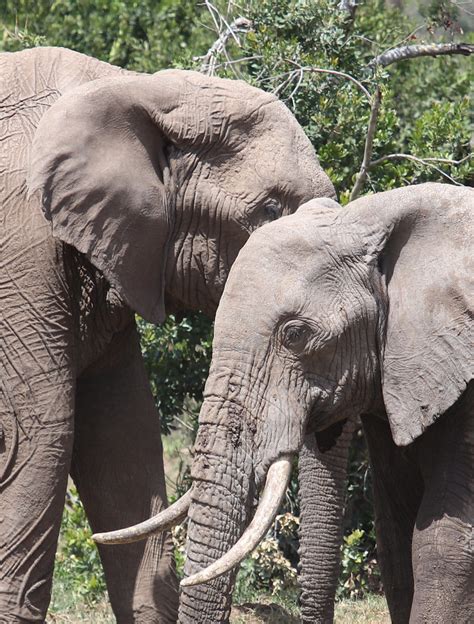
(322, 481)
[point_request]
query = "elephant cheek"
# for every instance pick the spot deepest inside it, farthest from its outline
(282, 433)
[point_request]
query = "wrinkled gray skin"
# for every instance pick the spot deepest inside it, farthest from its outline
(322, 481)
(119, 192)
(330, 313)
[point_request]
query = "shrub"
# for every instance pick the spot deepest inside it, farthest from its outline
(78, 571)
(359, 571)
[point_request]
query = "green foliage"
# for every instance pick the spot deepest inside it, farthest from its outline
(359, 571)
(77, 569)
(267, 567)
(177, 356)
(143, 35)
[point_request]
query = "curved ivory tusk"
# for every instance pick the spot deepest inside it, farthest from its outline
(164, 520)
(278, 477)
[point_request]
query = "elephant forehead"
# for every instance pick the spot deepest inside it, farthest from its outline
(288, 267)
(271, 275)
(292, 243)
(291, 155)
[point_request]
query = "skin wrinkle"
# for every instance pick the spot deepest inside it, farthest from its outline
(86, 317)
(357, 311)
(202, 450)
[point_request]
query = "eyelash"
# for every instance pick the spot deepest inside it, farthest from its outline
(272, 209)
(316, 337)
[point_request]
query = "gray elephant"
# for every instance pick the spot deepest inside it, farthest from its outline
(329, 313)
(120, 192)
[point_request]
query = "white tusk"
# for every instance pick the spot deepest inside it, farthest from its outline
(164, 520)
(278, 477)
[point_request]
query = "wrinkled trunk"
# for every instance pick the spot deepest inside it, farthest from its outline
(223, 492)
(322, 481)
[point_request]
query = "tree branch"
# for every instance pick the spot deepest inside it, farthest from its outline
(413, 51)
(427, 162)
(387, 58)
(369, 145)
(209, 60)
(300, 69)
(448, 161)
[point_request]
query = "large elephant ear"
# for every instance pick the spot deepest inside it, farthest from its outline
(427, 263)
(99, 164)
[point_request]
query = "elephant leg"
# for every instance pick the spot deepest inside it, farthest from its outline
(397, 490)
(35, 450)
(322, 480)
(37, 390)
(118, 469)
(443, 546)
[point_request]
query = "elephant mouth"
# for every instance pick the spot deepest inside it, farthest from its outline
(278, 477)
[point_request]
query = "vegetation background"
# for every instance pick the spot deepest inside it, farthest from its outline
(317, 57)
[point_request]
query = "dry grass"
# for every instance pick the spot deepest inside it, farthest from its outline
(372, 610)
(78, 614)
(259, 613)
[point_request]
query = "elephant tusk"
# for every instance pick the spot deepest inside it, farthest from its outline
(164, 520)
(278, 477)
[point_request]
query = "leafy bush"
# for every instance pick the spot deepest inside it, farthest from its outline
(143, 35)
(177, 356)
(426, 93)
(78, 569)
(359, 571)
(267, 567)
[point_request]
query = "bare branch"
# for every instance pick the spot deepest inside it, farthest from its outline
(448, 161)
(392, 56)
(369, 145)
(427, 162)
(413, 51)
(243, 59)
(239, 25)
(347, 5)
(300, 69)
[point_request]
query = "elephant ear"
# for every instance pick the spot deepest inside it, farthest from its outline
(427, 360)
(99, 164)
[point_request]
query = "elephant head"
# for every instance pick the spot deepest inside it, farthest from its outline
(328, 312)
(160, 179)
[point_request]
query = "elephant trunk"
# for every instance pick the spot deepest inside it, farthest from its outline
(222, 495)
(275, 488)
(322, 481)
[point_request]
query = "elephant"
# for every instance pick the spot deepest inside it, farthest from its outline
(121, 193)
(328, 314)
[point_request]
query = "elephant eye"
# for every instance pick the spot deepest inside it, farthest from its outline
(272, 209)
(295, 335)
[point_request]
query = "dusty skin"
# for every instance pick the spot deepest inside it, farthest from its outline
(334, 312)
(120, 193)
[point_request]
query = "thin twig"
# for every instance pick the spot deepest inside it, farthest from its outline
(427, 162)
(413, 51)
(243, 59)
(369, 143)
(239, 25)
(184, 424)
(448, 161)
(318, 70)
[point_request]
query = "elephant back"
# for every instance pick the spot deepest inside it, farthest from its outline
(30, 82)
